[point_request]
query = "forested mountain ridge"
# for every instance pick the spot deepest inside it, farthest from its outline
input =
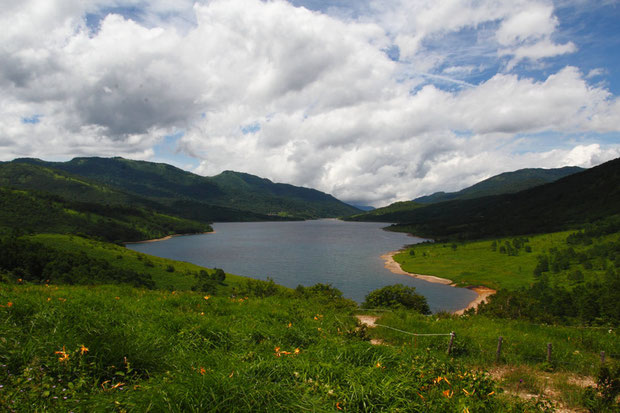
(505, 183)
(569, 202)
(165, 184)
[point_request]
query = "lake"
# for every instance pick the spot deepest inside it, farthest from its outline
(346, 255)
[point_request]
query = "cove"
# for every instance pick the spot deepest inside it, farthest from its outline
(346, 255)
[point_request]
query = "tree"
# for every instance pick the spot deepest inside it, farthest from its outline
(397, 296)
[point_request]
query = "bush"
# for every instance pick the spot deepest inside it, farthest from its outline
(397, 296)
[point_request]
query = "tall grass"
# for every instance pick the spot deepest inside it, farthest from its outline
(115, 348)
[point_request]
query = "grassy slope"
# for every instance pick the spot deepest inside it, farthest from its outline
(182, 278)
(162, 351)
(475, 263)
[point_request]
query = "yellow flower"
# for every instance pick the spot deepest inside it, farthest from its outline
(206, 297)
(83, 349)
(297, 351)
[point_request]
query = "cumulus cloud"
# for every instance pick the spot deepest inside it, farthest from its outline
(297, 95)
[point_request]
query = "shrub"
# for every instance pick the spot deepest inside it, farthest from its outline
(397, 296)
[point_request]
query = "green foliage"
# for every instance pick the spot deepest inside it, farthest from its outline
(397, 296)
(324, 293)
(26, 261)
(29, 212)
(165, 351)
(230, 196)
(577, 199)
(505, 183)
(605, 397)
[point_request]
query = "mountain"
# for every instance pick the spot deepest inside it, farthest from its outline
(505, 183)
(571, 201)
(230, 196)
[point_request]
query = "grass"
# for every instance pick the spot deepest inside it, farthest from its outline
(181, 278)
(179, 351)
(476, 263)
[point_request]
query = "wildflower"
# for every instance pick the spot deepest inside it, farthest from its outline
(491, 394)
(206, 297)
(421, 397)
(83, 349)
(19, 280)
(202, 371)
(378, 365)
(49, 298)
(63, 354)
(9, 304)
(338, 406)
(297, 351)
(117, 298)
(448, 393)
(289, 325)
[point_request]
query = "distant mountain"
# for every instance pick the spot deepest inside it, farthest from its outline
(505, 183)
(363, 207)
(230, 196)
(571, 201)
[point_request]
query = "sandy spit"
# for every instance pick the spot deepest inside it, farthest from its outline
(167, 237)
(483, 292)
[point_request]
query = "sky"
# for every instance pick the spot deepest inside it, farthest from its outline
(371, 101)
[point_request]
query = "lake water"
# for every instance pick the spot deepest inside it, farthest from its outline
(346, 255)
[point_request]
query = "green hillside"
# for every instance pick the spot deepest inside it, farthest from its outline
(567, 203)
(505, 183)
(30, 212)
(228, 196)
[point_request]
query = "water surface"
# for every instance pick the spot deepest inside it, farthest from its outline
(344, 254)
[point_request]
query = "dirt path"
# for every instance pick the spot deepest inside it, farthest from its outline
(369, 321)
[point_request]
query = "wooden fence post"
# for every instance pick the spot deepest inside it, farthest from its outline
(499, 349)
(451, 341)
(549, 352)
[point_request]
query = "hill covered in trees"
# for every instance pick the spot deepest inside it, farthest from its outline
(567, 203)
(230, 196)
(505, 183)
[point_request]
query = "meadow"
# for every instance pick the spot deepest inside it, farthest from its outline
(496, 263)
(117, 348)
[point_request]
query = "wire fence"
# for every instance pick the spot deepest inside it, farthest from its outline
(487, 351)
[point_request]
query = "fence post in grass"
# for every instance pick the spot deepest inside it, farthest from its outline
(602, 357)
(499, 349)
(452, 334)
(548, 352)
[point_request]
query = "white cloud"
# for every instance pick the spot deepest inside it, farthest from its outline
(294, 95)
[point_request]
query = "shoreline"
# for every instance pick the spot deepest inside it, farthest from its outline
(167, 237)
(482, 292)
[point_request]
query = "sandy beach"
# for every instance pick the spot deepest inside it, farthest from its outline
(168, 237)
(483, 292)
